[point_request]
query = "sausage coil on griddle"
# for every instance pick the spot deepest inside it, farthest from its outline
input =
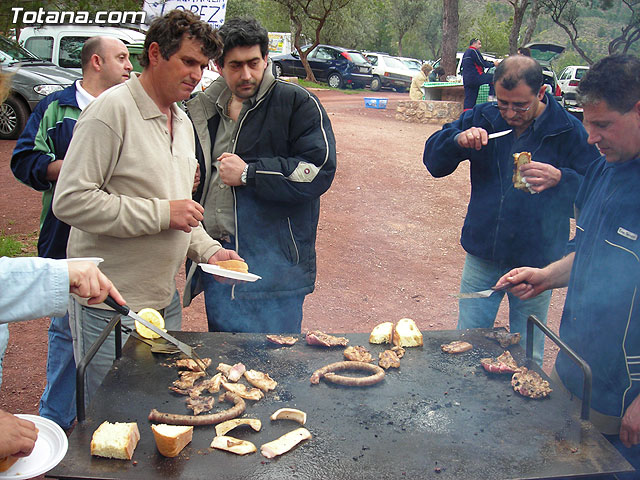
(328, 373)
(197, 420)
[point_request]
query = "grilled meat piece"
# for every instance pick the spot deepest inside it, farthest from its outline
(200, 404)
(242, 391)
(357, 353)
(322, 339)
(456, 346)
(285, 443)
(530, 384)
(190, 364)
(233, 373)
(504, 338)
(388, 359)
(212, 385)
(399, 351)
(260, 380)
(505, 363)
(281, 339)
(187, 379)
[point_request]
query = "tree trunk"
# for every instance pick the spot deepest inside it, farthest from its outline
(449, 36)
(519, 7)
(533, 21)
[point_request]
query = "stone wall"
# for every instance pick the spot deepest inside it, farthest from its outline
(428, 111)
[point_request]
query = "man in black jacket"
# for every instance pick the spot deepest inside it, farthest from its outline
(473, 65)
(266, 152)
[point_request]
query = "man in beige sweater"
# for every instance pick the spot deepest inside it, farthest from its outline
(125, 185)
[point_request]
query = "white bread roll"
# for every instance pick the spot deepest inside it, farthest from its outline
(407, 334)
(7, 462)
(171, 439)
(115, 440)
(381, 333)
(235, 265)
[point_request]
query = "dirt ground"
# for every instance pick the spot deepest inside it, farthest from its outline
(388, 241)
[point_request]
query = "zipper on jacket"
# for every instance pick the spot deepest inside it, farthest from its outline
(293, 240)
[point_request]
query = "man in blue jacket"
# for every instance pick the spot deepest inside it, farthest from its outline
(473, 74)
(504, 226)
(267, 153)
(36, 161)
(600, 321)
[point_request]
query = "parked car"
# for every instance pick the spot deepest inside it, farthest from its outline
(411, 63)
(337, 66)
(568, 81)
(62, 44)
(389, 72)
(544, 53)
(32, 79)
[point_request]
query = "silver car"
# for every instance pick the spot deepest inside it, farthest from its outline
(32, 79)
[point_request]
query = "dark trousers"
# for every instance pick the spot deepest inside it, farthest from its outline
(472, 86)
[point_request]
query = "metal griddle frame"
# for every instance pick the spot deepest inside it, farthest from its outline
(586, 369)
(114, 324)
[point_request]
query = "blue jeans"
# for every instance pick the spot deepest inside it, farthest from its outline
(265, 315)
(472, 87)
(58, 402)
(86, 326)
(479, 274)
(4, 341)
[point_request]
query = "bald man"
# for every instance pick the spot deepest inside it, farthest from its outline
(36, 161)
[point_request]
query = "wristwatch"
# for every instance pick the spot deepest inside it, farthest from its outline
(243, 176)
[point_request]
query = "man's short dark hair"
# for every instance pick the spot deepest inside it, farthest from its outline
(473, 40)
(169, 30)
(243, 32)
(91, 46)
(614, 79)
(516, 68)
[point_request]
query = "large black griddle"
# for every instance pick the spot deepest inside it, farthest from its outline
(439, 416)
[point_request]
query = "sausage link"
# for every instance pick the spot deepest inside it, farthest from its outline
(198, 420)
(327, 373)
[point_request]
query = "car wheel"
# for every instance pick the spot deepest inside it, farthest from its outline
(375, 84)
(277, 70)
(13, 118)
(334, 80)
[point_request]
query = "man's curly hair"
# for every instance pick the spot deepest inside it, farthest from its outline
(169, 30)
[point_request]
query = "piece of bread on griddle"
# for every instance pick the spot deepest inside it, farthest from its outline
(381, 333)
(235, 265)
(171, 439)
(519, 159)
(407, 334)
(115, 440)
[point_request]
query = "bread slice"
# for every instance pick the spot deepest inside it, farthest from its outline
(7, 462)
(381, 333)
(407, 334)
(519, 159)
(115, 440)
(171, 439)
(235, 265)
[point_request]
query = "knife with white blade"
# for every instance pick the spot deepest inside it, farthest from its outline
(499, 134)
(183, 347)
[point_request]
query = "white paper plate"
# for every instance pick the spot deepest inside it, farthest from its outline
(51, 447)
(96, 260)
(223, 272)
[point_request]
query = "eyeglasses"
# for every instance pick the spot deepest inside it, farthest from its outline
(504, 108)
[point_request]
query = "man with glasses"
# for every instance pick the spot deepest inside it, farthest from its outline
(506, 227)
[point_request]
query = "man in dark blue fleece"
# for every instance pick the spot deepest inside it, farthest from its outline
(506, 227)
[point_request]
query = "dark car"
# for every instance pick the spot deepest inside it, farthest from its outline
(337, 66)
(32, 79)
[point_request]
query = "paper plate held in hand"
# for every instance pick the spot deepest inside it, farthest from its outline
(51, 447)
(223, 272)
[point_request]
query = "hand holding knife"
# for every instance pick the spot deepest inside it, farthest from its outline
(476, 137)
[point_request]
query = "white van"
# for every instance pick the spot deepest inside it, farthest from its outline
(62, 44)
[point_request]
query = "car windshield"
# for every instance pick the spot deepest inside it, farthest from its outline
(412, 64)
(394, 63)
(357, 58)
(580, 72)
(11, 52)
